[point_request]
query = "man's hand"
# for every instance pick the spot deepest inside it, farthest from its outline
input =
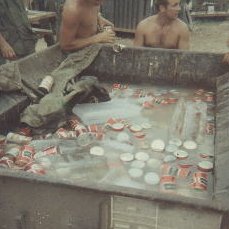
(226, 58)
(106, 37)
(7, 51)
(104, 22)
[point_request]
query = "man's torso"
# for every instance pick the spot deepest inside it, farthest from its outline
(87, 17)
(158, 36)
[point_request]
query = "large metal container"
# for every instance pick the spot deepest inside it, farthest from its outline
(33, 202)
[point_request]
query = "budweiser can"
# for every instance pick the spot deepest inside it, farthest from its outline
(200, 181)
(6, 162)
(73, 123)
(17, 138)
(25, 155)
(168, 183)
(93, 128)
(61, 133)
(35, 168)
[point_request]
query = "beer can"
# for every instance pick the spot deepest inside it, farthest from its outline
(73, 123)
(6, 162)
(107, 28)
(25, 155)
(200, 181)
(62, 133)
(46, 84)
(35, 168)
(167, 183)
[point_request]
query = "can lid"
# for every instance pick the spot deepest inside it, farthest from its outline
(169, 158)
(135, 173)
(126, 157)
(175, 141)
(138, 164)
(118, 126)
(205, 165)
(181, 154)
(135, 128)
(123, 137)
(152, 178)
(154, 163)
(97, 150)
(171, 148)
(190, 145)
(158, 145)
(142, 156)
(139, 134)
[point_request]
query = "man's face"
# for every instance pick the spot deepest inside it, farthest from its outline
(172, 9)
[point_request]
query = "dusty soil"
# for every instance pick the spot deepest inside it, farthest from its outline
(207, 36)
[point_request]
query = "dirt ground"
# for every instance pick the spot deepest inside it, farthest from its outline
(207, 36)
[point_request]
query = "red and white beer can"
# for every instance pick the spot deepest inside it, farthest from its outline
(25, 155)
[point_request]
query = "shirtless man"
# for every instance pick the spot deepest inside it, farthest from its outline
(80, 22)
(163, 30)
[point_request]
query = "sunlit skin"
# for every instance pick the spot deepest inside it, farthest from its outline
(6, 50)
(163, 30)
(80, 21)
(226, 55)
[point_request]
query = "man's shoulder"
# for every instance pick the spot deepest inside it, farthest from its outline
(147, 21)
(72, 8)
(182, 26)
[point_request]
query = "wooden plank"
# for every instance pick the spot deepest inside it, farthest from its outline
(202, 14)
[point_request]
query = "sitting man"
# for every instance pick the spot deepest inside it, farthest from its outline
(163, 30)
(80, 22)
(16, 37)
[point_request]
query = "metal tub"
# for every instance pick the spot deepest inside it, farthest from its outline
(31, 202)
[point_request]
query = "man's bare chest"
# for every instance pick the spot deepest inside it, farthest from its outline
(162, 38)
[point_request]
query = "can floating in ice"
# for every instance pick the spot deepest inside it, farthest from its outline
(200, 181)
(168, 183)
(6, 162)
(25, 155)
(35, 168)
(73, 123)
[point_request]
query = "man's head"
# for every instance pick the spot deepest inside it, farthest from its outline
(170, 8)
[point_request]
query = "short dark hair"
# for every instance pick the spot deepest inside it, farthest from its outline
(158, 3)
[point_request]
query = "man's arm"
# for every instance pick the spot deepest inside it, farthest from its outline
(184, 41)
(103, 21)
(226, 58)
(5, 49)
(139, 36)
(69, 31)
